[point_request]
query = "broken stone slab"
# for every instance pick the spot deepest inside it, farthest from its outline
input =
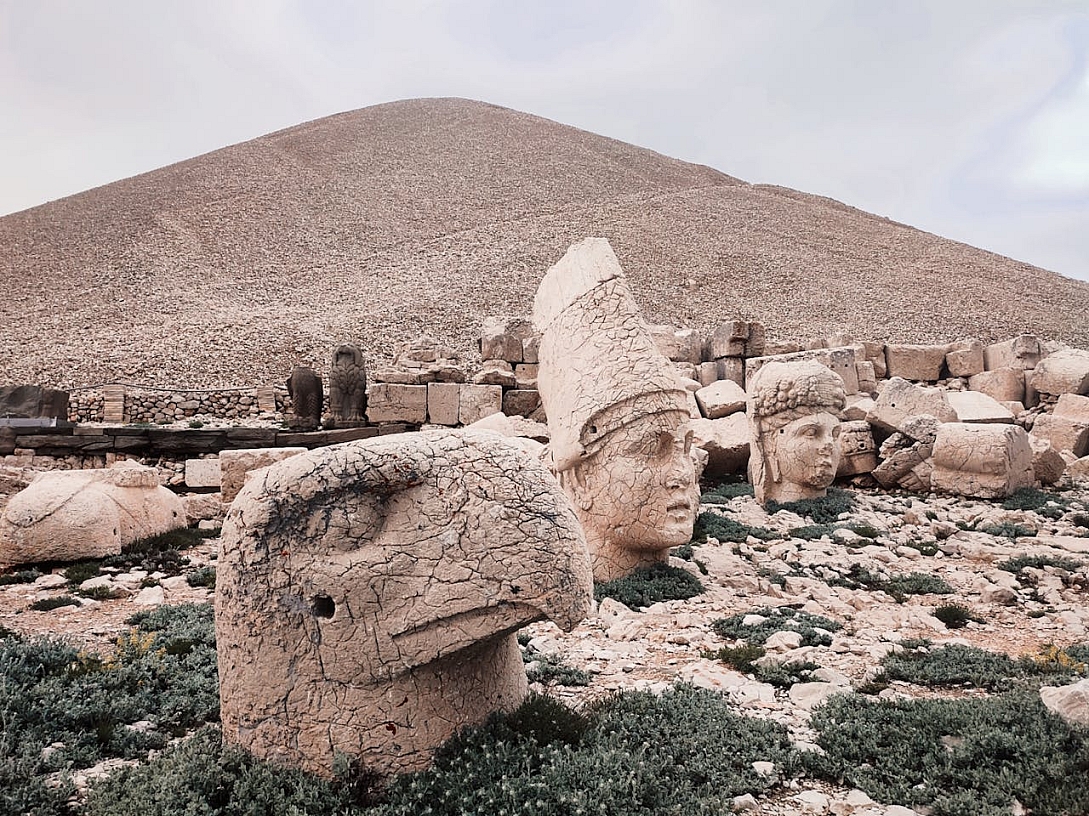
(720, 399)
(867, 377)
(391, 402)
(512, 426)
(840, 360)
(478, 401)
(726, 442)
(1001, 384)
(525, 375)
(974, 406)
(736, 338)
(915, 362)
(503, 338)
(236, 465)
(443, 400)
(1047, 463)
(521, 402)
(1070, 702)
(202, 473)
(965, 358)
(730, 368)
(1072, 407)
(1062, 433)
(1021, 352)
(707, 373)
(1064, 372)
(899, 400)
(678, 345)
(984, 461)
(874, 353)
(367, 596)
(33, 402)
(68, 515)
(495, 372)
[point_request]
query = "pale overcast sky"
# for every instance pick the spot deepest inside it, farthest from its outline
(967, 118)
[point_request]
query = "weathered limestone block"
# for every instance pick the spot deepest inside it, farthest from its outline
(521, 402)
(443, 401)
(875, 353)
(707, 373)
(867, 377)
(915, 362)
(525, 375)
(202, 473)
(307, 398)
(1063, 434)
(730, 368)
(478, 401)
(67, 515)
(530, 345)
(1001, 384)
(495, 372)
(974, 406)
(858, 452)
(1073, 407)
(678, 345)
(618, 417)
(1070, 702)
(900, 400)
(1047, 463)
(502, 338)
(514, 427)
(720, 399)
(840, 360)
(906, 455)
(33, 402)
(1021, 352)
(203, 507)
(726, 443)
(391, 402)
(737, 338)
(1064, 372)
(347, 387)
(858, 407)
(985, 461)
(794, 409)
(421, 361)
(367, 595)
(235, 465)
(965, 358)
(774, 348)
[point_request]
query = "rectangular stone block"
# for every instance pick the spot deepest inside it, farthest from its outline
(707, 373)
(1002, 384)
(867, 378)
(840, 360)
(501, 338)
(391, 402)
(917, 363)
(236, 465)
(1064, 372)
(875, 353)
(678, 345)
(1062, 433)
(972, 406)
(479, 401)
(521, 402)
(202, 473)
(1073, 407)
(985, 461)
(730, 368)
(964, 358)
(728, 339)
(720, 399)
(443, 403)
(266, 399)
(1021, 352)
(525, 375)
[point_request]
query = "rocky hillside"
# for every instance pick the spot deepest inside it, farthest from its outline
(380, 224)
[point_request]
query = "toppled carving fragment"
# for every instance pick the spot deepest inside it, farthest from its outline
(66, 515)
(794, 413)
(617, 414)
(987, 461)
(304, 388)
(367, 594)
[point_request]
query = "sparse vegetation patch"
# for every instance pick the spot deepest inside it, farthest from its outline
(815, 630)
(649, 585)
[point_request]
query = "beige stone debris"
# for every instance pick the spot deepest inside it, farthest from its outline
(367, 595)
(1063, 432)
(421, 361)
(725, 441)
(1064, 372)
(1071, 702)
(840, 360)
(975, 406)
(867, 377)
(737, 338)
(875, 353)
(394, 402)
(235, 465)
(1023, 352)
(985, 461)
(906, 455)
(504, 339)
(66, 515)
(478, 401)
(1047, 463)
(618, 417)
(965, 358)
(495, 372)
(1073, 407)
(443, 401)
(1001, 384)
(915, 362)
(794, 410)
(678, 345)
(202, 473)
(730, 368)
(900, 400)
(521, 402)
(721, 398)
(858, 451)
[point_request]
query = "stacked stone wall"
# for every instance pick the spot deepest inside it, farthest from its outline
(161, 406)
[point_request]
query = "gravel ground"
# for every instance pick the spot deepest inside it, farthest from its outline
(426, 216)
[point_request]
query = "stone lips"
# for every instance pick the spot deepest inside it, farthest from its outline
(367, 595)
(428, 216)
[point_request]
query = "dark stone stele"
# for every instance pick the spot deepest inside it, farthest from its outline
(304, 386)
(33, 402)
(347, 388)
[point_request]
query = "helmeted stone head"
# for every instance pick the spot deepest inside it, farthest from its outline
(367, 595)
(794, 416)
(617, 414)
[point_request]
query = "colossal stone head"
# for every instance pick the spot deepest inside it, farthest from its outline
(367, 595)
(617, 414)
(794, 418)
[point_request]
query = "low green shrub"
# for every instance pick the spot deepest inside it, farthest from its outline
(812, 532)
(898, 586)
(548, 670)
(741, 658)
(159, 553)
(56, 602)
(822, 510)
(202, 577)
(687, 552)
(1036, 500)
(1020, 562)
(955, 615)
(100, 593)
(966, 757)
(710, 523)
(785, 675)
(649, 585)
(81, 571)
(955, 665)
(724, 492)
(27, 576)
(814, 629)
(1006, 529)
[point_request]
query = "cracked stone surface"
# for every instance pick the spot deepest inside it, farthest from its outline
(618, 416)
(794, 410)
(367, 595)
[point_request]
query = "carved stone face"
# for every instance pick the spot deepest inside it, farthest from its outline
(805, 454)
(637, 496)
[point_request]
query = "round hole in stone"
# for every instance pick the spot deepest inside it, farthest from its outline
(323, 606)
